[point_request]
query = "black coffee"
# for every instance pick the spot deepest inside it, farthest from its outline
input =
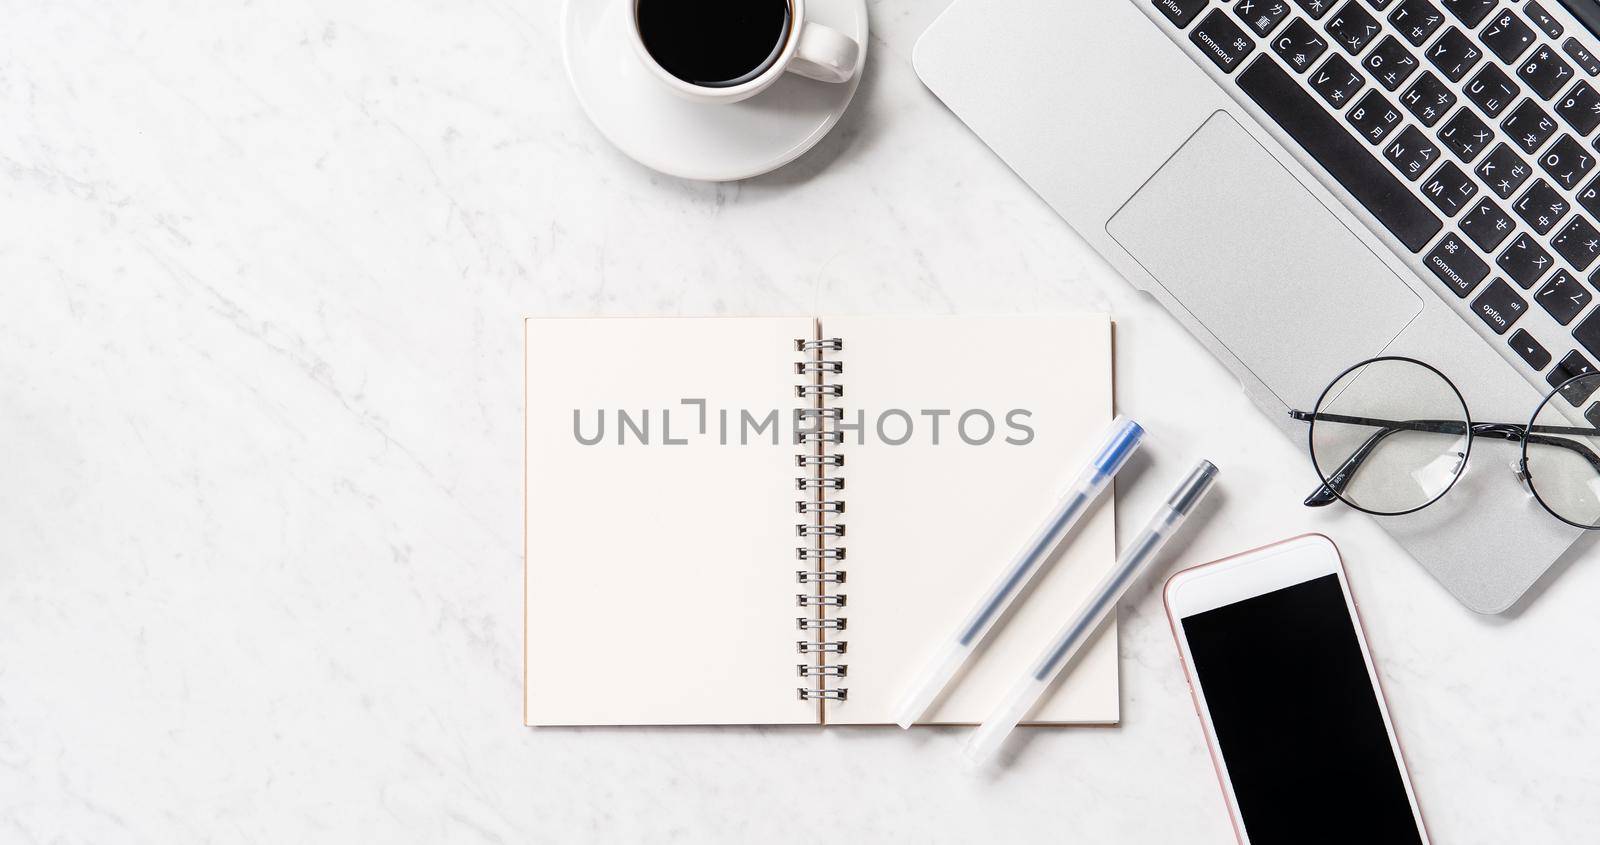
(714, 43)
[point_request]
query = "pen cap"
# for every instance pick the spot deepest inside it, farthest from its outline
(1122, 438)
(1193, 488)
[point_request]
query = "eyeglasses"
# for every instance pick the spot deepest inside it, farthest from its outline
(1391, 435)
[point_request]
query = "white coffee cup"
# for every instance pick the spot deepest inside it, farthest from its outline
(809, 49)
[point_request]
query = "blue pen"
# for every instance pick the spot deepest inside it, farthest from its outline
(1101, 601)
(1119, 442)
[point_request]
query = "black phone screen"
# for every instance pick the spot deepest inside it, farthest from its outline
(1297, 718)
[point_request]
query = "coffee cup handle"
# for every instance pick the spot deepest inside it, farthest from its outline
(824, 54)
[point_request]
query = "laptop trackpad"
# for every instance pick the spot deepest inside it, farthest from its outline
(1261, 263)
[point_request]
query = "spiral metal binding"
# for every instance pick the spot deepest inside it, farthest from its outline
(832, 344)
(804, 390)
(823, 537)
(814, 694)
(806, 576)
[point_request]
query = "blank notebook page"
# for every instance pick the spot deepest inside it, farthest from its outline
(930, 527)
(660, 578)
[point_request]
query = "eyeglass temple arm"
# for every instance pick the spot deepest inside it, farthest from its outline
(1327, 493)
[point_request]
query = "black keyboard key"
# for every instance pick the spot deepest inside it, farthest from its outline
(1573, 365)
(1412, 153)
(1487, 225)
(1499, 306)
(1352, 27)
(1380, 5)
(1454, 54)
(1589, 197)
(1373, 117)
(1542, 19)
(1588, 334)
(1580, 108)
(1299, 45)
(1491, 90)
(1578, 392)
(1567, 162)
(1263, 16)
(1317, 132)
(1502, 171)
(1389, 63)
(1578, 242)
(1449, 189)
(1545, 72)
(1469, 12)
(1456, 265)
(1466, 135)
(1416, 20)
(1315, 8)
(1525, 261)
(1563, 296)
(1223, 42)
(1507, 36)
(1428, 99)
(1581, 55)
(1529, 126)
(1336, 81)
(1180, 12)
(1541, 206)
(1530, 350)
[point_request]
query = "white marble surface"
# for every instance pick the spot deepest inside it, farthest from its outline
(260, 277)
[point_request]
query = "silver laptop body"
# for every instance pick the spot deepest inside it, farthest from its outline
(1143, 124)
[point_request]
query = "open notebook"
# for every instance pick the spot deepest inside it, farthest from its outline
(778, 520)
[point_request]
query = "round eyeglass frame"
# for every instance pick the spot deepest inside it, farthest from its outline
(1466, 455)
(1522, 458)
(1507, 431)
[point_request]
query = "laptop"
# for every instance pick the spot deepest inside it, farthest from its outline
(1307, 183)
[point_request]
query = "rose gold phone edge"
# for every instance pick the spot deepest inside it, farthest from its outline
(1212, 751)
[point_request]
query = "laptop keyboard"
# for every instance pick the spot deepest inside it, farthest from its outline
(1466, 128)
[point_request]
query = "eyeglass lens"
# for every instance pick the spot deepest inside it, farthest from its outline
(1563, 457)
(1390, 436)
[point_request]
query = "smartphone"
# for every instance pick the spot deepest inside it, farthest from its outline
(1289, 699)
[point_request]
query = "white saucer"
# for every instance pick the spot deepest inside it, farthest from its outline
(715, 142)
